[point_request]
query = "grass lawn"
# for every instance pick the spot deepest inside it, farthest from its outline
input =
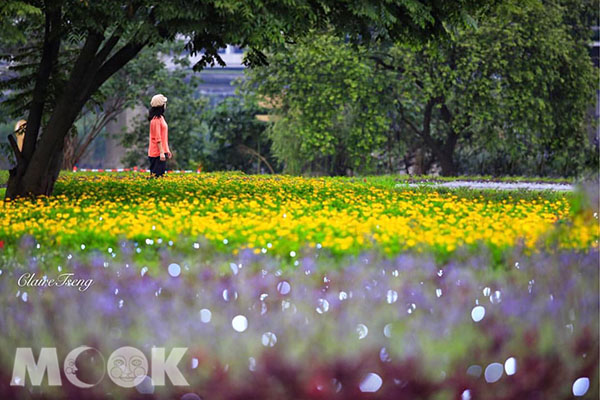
(393, 179)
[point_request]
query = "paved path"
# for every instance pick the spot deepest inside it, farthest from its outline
(497, 185)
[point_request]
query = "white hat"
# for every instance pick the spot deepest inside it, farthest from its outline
(158, 101)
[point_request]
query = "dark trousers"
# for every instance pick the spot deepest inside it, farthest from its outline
(157, 167)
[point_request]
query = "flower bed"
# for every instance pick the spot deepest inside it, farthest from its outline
(283, 214)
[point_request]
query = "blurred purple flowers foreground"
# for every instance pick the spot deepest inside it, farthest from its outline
(359, 327)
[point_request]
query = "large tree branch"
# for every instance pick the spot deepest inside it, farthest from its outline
(379, 61)
(116, 35)
(108, 46)
(96, 129)
(113, 64)
(410, 125)
(86, 56)
(85, 64)
(446, 114)
(245, 149)
(383, 64)
(426, 132)
(110, 111)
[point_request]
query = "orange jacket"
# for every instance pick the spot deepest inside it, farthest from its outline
(159, 132)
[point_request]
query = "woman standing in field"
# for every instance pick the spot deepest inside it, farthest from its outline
(158, 147)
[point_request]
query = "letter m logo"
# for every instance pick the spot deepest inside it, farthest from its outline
(26, 364)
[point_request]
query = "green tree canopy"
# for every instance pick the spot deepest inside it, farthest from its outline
(507, 96)
(515, 90)
(327, 116)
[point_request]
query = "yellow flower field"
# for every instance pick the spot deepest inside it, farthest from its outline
(282, 214)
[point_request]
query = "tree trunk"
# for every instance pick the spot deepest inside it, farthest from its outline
(47, 63)
(442, 151)
(42, 171)
(419, 164)
(446, 156)
(50, 51)
(70, 150)
(447, 164)
(37, 175)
